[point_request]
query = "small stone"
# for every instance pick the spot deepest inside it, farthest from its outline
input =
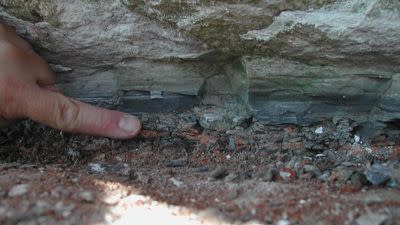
(232, 144)
(231, 177)
(378, 174)
(176, 163)
(177, 182)
(368, 150)
(357, 139)
(87, 196)
(312, 170)
(325, 176)
(100, 158)
(19, 190)
(41, 207)
(342, 174)
(96, 168)
(358, 179)
(119, 168)
(3, 211)
(219, 173)
(371, 219)
(283, 222)
(246, 174)
(202, 169)
(269, 174)
(392, 183)
(73, 153)
(285, 174)
(60, 68)
(156, 95)
(63, 210)
(319, 130)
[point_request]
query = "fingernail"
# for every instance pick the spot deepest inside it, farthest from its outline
(129, 124)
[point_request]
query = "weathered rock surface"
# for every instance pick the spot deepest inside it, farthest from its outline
(283, 61)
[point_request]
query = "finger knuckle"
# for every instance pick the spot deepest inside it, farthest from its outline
(8, 98)
(68, 115)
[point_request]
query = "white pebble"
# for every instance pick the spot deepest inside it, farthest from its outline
(95, 167)
(87, 196)
(156, 94)
(283, 222)
(357, 138)
(18, 190)
(319, 130)
(369, 150)
(177, 182)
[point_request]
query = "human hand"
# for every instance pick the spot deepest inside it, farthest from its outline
(26, 91)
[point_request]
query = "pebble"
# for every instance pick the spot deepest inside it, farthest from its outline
(232, 144)
(269, 174)
(63, 210)
(19, 190)
(202, 169)
(312, 170)
(378, 174)
(342, 173)
(98, 168)
(176, 163)
(357, 139)
(283, 222)
(3, 211)
(231, 177)
(247, 174)
(177, 182)
(284, 174)
(87, 196)
(41, 207)
(319, 130)
(219, 173)
(358, 179)
(325, 176)
(100, 158)
(371, 219)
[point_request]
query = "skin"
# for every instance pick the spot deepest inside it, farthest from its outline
(26, 91)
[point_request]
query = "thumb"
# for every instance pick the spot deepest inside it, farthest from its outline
(56, 110)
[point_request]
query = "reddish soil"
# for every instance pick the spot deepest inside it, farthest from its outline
(175, 174)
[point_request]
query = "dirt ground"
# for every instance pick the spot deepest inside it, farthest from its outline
(178, 172)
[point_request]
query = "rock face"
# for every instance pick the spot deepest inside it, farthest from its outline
(283, 61)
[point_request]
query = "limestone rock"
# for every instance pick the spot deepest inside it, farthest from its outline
(284, 61)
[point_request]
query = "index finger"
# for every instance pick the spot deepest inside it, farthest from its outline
(60, 112)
